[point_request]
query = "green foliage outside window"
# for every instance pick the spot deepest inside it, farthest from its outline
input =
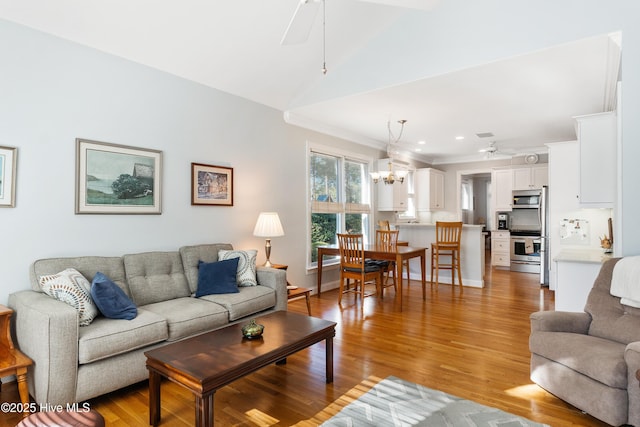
(329, 176)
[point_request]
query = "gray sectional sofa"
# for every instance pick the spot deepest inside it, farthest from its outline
(73, 363)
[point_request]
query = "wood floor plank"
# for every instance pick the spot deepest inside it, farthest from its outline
(471, 343)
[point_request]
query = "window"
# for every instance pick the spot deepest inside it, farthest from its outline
(466, 200)
(339, 197)
(466, 194)
(410, 213)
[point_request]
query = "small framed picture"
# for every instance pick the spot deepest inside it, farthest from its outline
(8, 162)
(211, 185)
(117, 179)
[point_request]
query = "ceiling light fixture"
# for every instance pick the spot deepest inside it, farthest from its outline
(388, 177)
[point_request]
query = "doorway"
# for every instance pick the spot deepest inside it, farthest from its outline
(474, 197)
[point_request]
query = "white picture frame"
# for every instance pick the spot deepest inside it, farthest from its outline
(8, 163)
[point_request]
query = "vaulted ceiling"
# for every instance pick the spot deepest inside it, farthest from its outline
(518, 102)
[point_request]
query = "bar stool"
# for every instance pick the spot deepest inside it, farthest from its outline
(447, 244)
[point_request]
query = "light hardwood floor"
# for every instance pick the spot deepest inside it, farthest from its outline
(471, 343)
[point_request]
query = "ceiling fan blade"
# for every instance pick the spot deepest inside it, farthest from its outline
(301, 22)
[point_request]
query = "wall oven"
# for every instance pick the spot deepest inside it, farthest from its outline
(525, 251)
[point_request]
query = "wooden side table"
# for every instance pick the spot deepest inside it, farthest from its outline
(13, 361)
(294, 291)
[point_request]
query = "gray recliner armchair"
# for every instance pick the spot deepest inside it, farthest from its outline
(589, 359)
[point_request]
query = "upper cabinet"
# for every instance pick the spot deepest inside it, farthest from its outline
(597, 144)
(429, 189)
(502, 183)
(392, 197)
(530, 177)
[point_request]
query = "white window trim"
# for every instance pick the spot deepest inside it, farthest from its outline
(348, 155)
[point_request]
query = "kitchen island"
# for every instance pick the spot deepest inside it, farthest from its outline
(576, 271)
(472, 254)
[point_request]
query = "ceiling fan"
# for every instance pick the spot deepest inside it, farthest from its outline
(492, 150)
(301, 22)
(304, 16)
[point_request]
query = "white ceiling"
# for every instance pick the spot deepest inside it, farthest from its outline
(234, 46)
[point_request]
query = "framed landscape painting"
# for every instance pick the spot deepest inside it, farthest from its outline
(8, 177)
(211, 185)
(117, 179)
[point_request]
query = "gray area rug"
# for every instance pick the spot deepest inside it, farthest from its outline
(396, 402)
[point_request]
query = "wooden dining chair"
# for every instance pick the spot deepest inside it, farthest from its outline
(388, 240)
(445, 251)
(353, 266)
(384, 225)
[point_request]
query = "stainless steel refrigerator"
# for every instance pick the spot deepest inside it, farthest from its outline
(544, 236)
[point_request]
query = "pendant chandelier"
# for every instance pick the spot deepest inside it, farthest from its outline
(388, 176)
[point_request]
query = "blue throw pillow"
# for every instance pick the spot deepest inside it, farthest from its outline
(217, 277)
(111, 300)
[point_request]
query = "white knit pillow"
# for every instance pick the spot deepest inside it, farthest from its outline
(71, 287)
(246, 265)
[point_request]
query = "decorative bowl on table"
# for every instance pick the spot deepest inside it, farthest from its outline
(252, 330)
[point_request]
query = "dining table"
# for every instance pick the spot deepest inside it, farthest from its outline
(397, 253)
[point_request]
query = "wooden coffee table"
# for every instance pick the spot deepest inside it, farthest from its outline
(207, 362)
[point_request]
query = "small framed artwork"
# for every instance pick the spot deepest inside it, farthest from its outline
(117, 179)
(8, 157)
(211, 185)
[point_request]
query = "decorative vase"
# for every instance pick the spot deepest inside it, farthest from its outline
(252, 329)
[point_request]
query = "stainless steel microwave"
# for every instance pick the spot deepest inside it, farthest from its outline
(526, 199)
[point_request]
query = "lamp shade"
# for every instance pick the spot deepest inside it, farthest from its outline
(268, 225)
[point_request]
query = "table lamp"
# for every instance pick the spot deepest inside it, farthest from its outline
(268, 226)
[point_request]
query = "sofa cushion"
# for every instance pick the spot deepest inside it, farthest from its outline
(246, 275)
(71, 287)
(88, 266)
(249, 300)
(191, 255)
(189, 316)
(597, 358)
(217, 277)
(111, 300)
(108, 337)
(155, 277)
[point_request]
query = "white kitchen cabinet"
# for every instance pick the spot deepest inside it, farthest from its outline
(502, 183)
(392, 197)
(530, 177)
(597, 139)
(429, 189)
(500, 248)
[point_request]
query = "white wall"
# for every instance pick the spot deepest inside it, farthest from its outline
(53, 91)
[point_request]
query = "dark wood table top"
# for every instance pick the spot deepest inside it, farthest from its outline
(209, 361)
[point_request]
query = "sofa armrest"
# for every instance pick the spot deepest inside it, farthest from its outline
(632, 359)
(275, 279)
(47, 331)
(560, 321)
